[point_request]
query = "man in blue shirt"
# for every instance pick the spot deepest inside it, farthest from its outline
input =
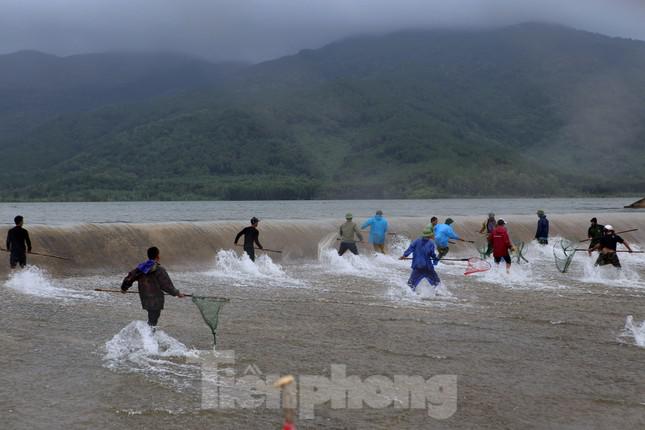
(423, 260)
(378, 230)
(442, 234)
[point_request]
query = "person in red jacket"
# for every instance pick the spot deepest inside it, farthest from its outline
(501, 244)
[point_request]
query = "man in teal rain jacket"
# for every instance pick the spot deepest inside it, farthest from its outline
(378, 230)
(442, 234)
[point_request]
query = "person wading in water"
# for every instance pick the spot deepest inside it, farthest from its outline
(348, 233)
(607, 248)
(18, 244)
(251, 237)
(153, 281)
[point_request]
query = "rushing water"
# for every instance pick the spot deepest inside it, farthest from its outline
(532, 349)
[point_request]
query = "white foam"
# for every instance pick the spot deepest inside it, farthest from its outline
(242, 271)
(368, 265)
(427, 291)
(35, 282)
(608, 275)
(387, 269)
(139, 349)
(635, 330)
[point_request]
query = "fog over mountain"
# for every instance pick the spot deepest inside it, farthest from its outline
(256, 30)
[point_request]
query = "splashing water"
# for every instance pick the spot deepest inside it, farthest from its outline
(368, 265)
(35, 282)
(609, 275)
(635, 330)
(139, 349)
(240, 270)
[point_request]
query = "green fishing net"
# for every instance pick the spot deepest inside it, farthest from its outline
(520, 248)
(563, 252)
(210, 307)
(483, 248)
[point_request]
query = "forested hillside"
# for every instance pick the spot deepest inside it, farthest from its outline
(529, 110)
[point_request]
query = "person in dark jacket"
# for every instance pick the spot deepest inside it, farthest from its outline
(594, 233)
(251, 236)
(606, 247)
(153, 281)
(542, 232)
(18, 244)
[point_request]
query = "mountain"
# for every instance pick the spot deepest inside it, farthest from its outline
(35, 87)
(528, 110)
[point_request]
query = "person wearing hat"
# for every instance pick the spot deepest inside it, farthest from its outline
(606, 247)
(594, 233)
(542, 232)
(442, 234)
(487, 228)
(378, 230)
(348, 233)
(423, 260)
(433, 223)
(501, 244)
(251, 236)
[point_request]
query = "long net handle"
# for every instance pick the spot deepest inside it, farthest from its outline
(620, 232)
(262, 249)
(106, 290)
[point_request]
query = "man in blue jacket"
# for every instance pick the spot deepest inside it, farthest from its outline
(423, 260)
(542, 232)
(378, 231)
(442, 234)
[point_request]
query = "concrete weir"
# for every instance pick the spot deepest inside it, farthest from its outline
(637, 204)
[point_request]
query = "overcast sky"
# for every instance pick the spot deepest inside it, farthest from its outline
(255, 30)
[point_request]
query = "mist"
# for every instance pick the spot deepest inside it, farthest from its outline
(256, 30)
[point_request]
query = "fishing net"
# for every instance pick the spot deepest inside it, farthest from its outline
(476, 265)
(209, 307)
(482, 248)
(518, 254)
(401, 235)
(563, 252)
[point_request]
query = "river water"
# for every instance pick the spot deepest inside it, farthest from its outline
(533, 349)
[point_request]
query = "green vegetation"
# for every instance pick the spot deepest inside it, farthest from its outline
(530, 110)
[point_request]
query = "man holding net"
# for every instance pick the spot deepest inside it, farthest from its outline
(607, 248)
(443, 233)
(423, 260)
(153, 281)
